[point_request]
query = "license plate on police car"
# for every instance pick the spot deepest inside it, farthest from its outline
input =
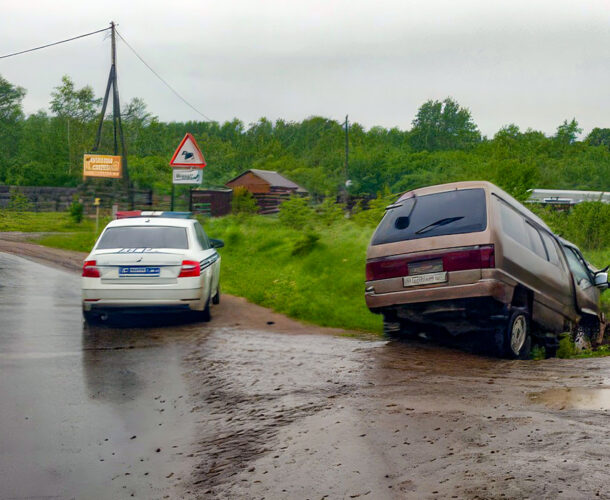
(130, 271)
(425, 279)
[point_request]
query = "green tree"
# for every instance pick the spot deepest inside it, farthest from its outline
(567, 133)
(11, 118)
(77, 108)
(443, 126)
(599, 137)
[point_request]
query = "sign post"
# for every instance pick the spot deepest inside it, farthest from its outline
(96, 203)
(187, 164)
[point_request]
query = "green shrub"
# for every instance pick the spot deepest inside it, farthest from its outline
(537, 353)
(376, 209)
(566, 349)
(329, 212)
(18, 202)
(296, 213)
(587, 224)
(243, 202)
(77, 211)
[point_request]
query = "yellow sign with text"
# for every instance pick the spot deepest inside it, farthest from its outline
(102, 166)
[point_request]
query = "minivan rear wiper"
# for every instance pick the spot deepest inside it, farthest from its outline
(440, 222)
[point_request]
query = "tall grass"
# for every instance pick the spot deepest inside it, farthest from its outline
(42, 222)
(316, 275)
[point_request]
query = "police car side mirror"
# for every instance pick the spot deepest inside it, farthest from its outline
(216, 243)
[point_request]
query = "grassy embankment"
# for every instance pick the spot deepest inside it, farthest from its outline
(69, 235)
(310, 268)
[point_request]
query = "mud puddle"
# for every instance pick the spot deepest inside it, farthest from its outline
(574, 398)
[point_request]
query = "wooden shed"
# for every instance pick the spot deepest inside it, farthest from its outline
(268, 187)
(211, 202)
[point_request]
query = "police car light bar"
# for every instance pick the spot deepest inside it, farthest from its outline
(127, 214)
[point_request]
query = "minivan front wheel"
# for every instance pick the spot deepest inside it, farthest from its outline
(515, 341)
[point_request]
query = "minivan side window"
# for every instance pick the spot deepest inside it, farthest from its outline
(512, 224)
(516, 227)
(577, 267)
(551, 249)
(536, 241)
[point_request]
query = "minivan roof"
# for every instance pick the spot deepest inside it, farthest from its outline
(488, 186)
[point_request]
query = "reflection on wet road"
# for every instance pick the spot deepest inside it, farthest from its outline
(227, 410)
(83, 411)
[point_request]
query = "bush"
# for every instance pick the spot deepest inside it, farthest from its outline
(243, 202)
(587, 224)
(538, 353)
(296, 213)
(18, 202)
(77, 211)
(566, 349)
(371, 216)
(330, 212)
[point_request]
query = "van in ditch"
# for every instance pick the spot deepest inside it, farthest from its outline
(467, 256)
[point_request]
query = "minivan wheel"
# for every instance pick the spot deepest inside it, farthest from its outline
(391, 329)
(515, 341)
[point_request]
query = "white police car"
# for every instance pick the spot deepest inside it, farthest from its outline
(147, 261)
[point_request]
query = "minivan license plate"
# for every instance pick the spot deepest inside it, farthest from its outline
(149, 272)
(425, 279)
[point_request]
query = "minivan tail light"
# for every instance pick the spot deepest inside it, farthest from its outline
(189, 269)
(90, 270)
(464, 259)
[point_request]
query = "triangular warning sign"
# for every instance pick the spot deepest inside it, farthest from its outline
(188, 154)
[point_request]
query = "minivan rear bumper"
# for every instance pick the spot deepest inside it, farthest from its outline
(488, 286)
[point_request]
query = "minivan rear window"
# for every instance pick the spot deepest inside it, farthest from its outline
(144, 237)
(452, 212)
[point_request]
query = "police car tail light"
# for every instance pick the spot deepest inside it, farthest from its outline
(90, 270)
(189, 269)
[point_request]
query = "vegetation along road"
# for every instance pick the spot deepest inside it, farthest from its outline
(256, 405)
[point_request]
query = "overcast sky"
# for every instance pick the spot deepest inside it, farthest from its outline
(533, 63)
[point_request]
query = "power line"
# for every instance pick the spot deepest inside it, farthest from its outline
(160, 78)
(54, 43)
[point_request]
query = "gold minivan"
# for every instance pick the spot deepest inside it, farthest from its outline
(467, 256)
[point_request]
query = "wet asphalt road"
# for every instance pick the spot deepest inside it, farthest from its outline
(239, 408)
(83, 411)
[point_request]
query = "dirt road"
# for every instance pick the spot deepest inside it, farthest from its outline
(258, 406)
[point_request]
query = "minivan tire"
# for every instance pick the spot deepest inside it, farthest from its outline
(391, 328)
(514, 341)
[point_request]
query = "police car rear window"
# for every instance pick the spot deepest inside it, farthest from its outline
(144, 237)
(452, 212)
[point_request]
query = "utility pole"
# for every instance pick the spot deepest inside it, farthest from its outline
(117, 124)
(346, 166)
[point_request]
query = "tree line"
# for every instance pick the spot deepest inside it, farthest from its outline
(443, 145)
